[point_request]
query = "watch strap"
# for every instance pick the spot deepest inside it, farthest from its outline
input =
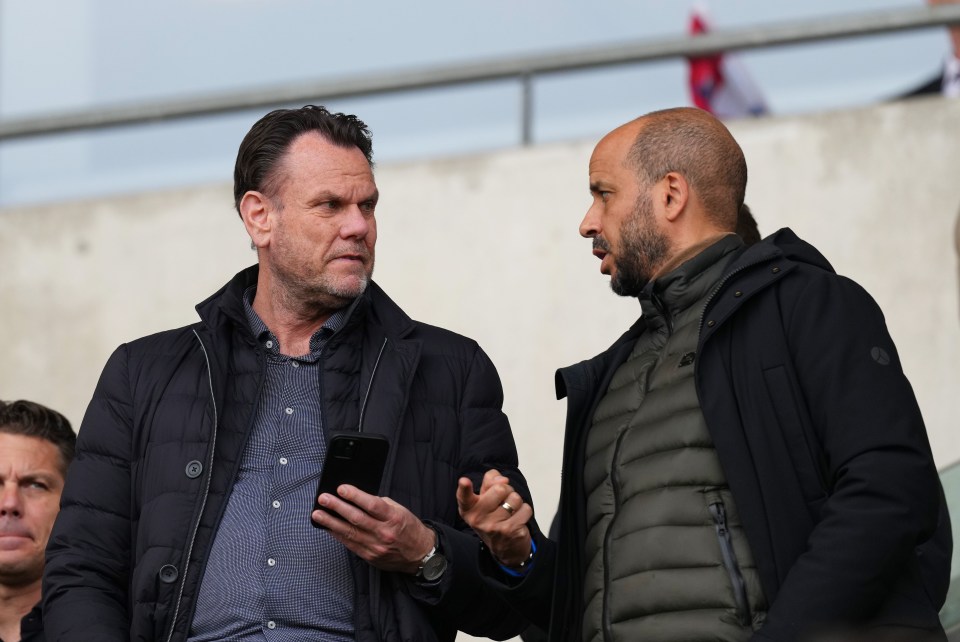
(434, 564)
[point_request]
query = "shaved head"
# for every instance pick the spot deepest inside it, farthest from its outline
(696, 145)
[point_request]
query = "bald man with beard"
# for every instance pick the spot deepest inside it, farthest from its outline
(748, 461)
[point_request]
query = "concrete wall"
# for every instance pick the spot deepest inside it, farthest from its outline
(488, 246)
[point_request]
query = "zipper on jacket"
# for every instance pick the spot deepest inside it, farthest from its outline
(206, 493)
(375, 574)
(664, 311)
(719, 514)
(376, 364)
(608, 536)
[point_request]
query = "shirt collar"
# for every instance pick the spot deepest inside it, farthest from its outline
(31, 625)
(269, 340)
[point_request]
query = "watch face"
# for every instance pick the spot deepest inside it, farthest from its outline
(434, 567)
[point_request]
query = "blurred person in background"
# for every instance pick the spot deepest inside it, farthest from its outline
(747, 226)
(947, 83)
(36, 446)
(720, 83)
(748, 461)
(189, 511)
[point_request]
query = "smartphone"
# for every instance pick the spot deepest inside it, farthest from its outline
(357, 459)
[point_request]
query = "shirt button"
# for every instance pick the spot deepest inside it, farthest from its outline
(269, 344)
(295, 364)
(276, 503)
(271, 562)
(271, 624)
(289, 411)
(283, 461)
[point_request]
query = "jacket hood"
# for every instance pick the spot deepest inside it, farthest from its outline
(783, 243)
(790, 246)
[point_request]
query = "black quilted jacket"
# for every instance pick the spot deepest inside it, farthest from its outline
(821, 441)
(163, 436)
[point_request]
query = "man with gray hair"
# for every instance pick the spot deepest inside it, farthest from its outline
(189, 516)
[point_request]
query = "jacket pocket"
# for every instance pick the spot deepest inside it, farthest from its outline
(802, 446)
(729, 556)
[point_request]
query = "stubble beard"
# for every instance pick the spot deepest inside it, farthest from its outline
(21, 572)
(308, 293)
(643, 248)
(20, 575)
(320, 293)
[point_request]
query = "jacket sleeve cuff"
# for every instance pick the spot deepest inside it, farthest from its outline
(460, 559)
(532, 592)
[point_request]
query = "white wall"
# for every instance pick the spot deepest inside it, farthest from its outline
(488, 246)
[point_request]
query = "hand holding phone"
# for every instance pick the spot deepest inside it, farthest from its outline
(357, 459)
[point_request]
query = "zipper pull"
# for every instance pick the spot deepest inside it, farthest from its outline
(664, 311)
(720, 515)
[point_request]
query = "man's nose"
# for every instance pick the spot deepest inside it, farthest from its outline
(590, 225)
(356, 223)
(11, 503)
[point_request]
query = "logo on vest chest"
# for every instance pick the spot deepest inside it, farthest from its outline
(687, 359)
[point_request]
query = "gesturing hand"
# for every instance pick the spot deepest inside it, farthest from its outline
(377, 529)
(498, 515)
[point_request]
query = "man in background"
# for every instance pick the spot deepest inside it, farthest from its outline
(747, 228)
(947, 83)
(36, 446)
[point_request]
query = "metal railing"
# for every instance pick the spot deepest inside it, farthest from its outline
(522, 68)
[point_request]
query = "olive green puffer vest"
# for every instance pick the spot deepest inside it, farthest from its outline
(666, 557)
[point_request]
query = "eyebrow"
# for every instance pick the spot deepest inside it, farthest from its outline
(38, 476)
(326, 196)
(597, 186)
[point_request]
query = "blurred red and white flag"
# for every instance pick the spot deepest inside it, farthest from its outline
(721, 84)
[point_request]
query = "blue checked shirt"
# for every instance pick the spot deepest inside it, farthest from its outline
(271, 575)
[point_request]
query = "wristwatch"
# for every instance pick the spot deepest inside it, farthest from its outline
(433, 564)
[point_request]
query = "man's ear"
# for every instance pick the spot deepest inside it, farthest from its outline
(255, 210)
(675, 194)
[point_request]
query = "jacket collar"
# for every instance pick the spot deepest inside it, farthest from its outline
(670, 295)
(225, 306)
(783, 243)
